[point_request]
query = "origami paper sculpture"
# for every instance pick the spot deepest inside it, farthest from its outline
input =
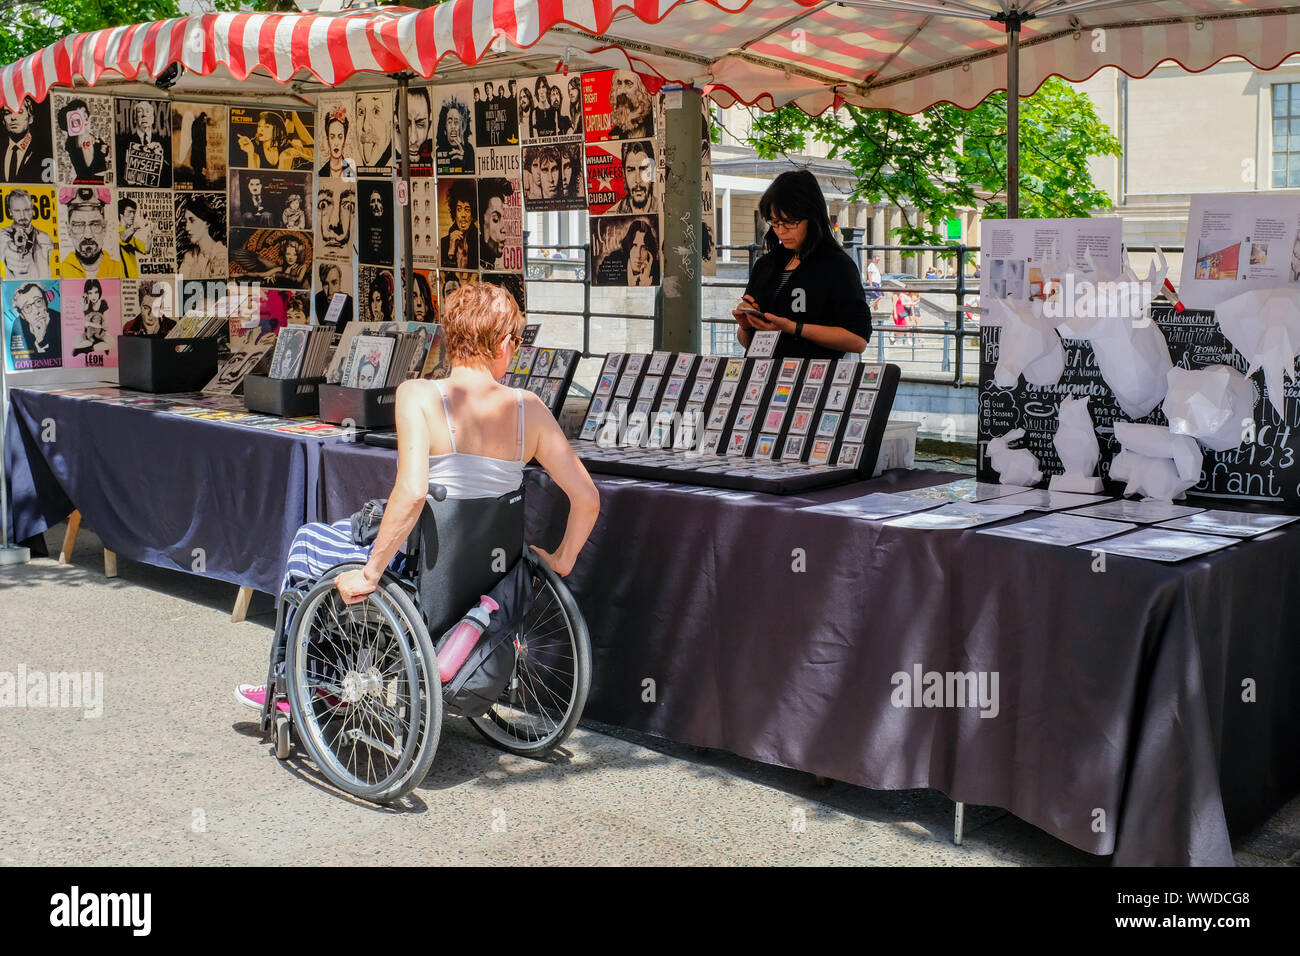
(1264, 326)
(1015, 466)
(1028, 344)
(1213, 405)
(1076, 444)
(1155, 462)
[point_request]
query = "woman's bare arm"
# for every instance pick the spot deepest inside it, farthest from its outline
(553, 452)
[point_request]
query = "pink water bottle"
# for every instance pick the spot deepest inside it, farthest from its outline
(463, 638)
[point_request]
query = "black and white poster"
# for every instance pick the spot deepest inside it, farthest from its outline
(376, 294)
(199, 133)
(625, 250)
(336, 214)
(201, 235)
(375, 126)
(28, 154)
(454, 135)
(336, 136)
(550, 107)
(376, 223)
(552, 177)
(496, 115)
(270, 199)
(458, 230)
(83, 138)
(143, 130)
(418, 138)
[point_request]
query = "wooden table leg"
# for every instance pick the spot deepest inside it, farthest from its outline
(70, 537)
(110, 564)
(242, 600)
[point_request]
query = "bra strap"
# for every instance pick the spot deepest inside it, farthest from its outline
(451, 426)
(519, 396)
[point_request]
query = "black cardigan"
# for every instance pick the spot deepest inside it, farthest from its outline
(830, 286)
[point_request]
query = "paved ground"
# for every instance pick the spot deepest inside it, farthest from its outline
(174, 771)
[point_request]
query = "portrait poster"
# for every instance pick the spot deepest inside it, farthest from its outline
(458, 231)
(89, 245)
(33, 326)
(552, 175)
(616, 105)
(454, 132)
(199, 147)
(550, 108)
(424, 223)
(149, 306)
(28, 152)
(336, 214)
(336, 136)
(272, 139)
(146, 232)
(375, 126)
(375, 221)
(270, 199)
(277, 258)
(449, 281)
(201, 235)
(376, 294)
(625, 250)
(281, 307)
(496, 115)
(708, 213)
(92, 321)
(424, 296)
(417, 139)
(333, 278)
(512, 283)
(501, 211)
(29, 232)
(143, 130)
(83, 138)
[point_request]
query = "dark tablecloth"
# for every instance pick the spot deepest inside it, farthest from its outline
(1121, 727)
(155, 487)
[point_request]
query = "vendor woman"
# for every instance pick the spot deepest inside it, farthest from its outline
(804, 286)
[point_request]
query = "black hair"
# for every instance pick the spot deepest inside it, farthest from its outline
(422, 286)
(493, 188)
(203, 209)
(71, 107)
(638, 146)
(795, 194)
(461, 191)
(92, 284)
(126, 203)
(629, 237)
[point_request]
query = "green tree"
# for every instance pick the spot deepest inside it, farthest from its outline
(945, 158)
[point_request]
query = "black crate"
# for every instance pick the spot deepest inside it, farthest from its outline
(286, 397)
(160, 365)
(358, 407)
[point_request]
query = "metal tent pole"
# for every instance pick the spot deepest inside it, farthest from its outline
(406, 274)
(1013, 114)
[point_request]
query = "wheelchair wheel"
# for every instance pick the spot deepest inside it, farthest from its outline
(544, 700)
(358, 680)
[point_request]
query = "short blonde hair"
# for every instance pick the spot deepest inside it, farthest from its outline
(475, 318)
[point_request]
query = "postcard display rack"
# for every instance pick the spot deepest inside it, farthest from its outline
(756, 423)
(547, 373)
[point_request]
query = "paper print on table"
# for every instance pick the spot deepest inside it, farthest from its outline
(501, 244)
(88, 233)
(83, 138)
(1162, 544)
(201, 251)
(26, 150)
(143, 131)
(550, 107)
(336, 136)
(1062, 530)
(458, 230)
(622, 179)
(149, 305)
(512, 283)
(617, 105)
(553, 177)
(92, 321)
(29, 232)
(376, 294)
(496, 114)
(375, 221)
(417, 139)
(146, 232)
(376, 124)
(277, 258)
(263, 199)
(454, 136)
(625, 250)
(33, 325)
(272, 139)
(336, 216)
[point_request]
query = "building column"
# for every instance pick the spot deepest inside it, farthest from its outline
(726, 225)
(889, 219)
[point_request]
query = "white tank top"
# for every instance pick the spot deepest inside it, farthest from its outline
(476, 476)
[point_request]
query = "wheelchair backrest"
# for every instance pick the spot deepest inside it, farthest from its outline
(465, 546)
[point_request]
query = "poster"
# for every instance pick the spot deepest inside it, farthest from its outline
(278, 258)
(331, 279)
(449, 281)
(28, 154)
(200, 297)
(281, 307)
(29, 232)
(143, 130)
(374, 130)
(336, 212)
(148, 305)
(199, 134)
(622, 179)
(418, 139)
(708, 214)
(625, 250)
(375, 233)
(1025, 259)
(550, 108)
(33, 326)
(1238, 243)
(454, 137)
(424, 298)
(270, 200)
(553, 177)
(458, 243)
(501, 247)
(146, 229)
(271, 139)
(201, 235)
(496, 115)
(92, 321)
(89, 246)
(83, 135)
(512, 283)
(424, 224)
(616, 105)
(336, 136)
(376, 294)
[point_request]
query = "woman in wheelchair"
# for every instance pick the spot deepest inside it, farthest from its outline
(466, 433)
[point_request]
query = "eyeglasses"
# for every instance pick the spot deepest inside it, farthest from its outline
(785, 223)
(516, 340)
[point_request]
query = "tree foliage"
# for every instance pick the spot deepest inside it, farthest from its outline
(946, 159)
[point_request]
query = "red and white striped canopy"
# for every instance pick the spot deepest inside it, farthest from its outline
(897, 54)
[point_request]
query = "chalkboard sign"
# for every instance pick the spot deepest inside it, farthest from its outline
(1265, 469)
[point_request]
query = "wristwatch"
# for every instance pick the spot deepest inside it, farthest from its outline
(798, 330)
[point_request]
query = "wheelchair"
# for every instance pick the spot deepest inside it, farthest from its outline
(361, 680)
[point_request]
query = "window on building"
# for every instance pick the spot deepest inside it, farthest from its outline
(1286, 135)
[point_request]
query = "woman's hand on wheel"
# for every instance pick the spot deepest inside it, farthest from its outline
(353, 585)
(554, 563)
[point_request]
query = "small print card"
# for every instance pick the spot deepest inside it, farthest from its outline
(606, 385)
(873, 507)
(708, 366)
(808, 396)
(871, 376)
(766, 446)
(789, 370)
(849, 455)
(763, 344)
(612, 361)
(735, 368)
(1233, 524)
(1162, 544)
(800, 422)
(837, 398)
(828, 425)
(793, 450)
(856, 431)
(659, 363)
(1063, 530)
(685, 362)
(649, 386)
(821, 451)
(1041, 499)
(817, 370)
(626, 384)
(674, 389)
(864, 402)
(843, 372)
(959, 514)
(781, 395)
(726, 393)
(635, 362)
(752, 394)
(700, 390)
(745, 419)
(772, 421)
(1139, 512)
(736, 444)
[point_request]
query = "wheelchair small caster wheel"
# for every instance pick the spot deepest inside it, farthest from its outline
(283, 744)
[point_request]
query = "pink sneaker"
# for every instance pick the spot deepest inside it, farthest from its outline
(254, 695)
